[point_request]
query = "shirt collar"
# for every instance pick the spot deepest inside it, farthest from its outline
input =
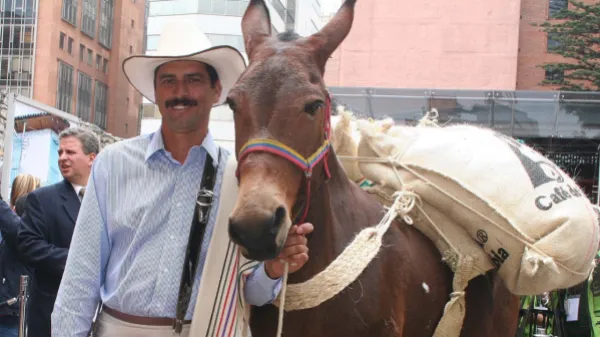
(157, 145)
(77, 188)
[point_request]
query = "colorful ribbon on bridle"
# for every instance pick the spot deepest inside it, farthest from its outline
(307, 165)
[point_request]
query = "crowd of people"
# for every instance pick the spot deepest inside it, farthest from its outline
(37, 225)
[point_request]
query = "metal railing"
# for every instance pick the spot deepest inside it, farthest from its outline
(23, 297)
(531, 114)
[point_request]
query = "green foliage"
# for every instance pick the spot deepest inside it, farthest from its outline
(576, 35)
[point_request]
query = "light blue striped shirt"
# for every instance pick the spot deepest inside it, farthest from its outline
(131, 234)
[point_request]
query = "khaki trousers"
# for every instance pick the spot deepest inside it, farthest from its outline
(109, 326)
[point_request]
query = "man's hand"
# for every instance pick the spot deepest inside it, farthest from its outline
(295, 252)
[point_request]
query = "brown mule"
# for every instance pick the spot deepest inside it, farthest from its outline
(282, 99)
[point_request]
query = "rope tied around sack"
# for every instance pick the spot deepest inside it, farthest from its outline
(542, 258)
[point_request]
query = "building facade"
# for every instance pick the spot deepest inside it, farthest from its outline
(534, 44)
(68, 54)
(447, 45)
(221, 21)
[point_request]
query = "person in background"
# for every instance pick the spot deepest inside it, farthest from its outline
(11, 265)
(23, 184)
(48, 223)
(19, 206)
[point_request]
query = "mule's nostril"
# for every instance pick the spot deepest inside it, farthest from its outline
(278, 220)
(234, 234)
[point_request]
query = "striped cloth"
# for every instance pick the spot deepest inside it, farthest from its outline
(220, 307)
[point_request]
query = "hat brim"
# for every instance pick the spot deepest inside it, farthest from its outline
(227, 61)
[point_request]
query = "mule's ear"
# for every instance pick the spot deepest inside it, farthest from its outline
(256, 25)
(335, 31)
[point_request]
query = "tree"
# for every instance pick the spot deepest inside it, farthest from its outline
(576, 37)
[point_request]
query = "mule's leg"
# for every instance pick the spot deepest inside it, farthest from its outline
(480, 306)
(506, 310)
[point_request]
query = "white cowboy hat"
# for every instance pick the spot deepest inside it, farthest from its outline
(183, 40)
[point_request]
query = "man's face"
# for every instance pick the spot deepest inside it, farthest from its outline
(185, 95)
(74, 164)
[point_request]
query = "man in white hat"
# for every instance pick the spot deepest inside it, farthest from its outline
(133, 229)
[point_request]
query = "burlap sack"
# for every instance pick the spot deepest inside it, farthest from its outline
(530, 218)
(345, 144)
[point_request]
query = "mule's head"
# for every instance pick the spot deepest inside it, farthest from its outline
(281, 97)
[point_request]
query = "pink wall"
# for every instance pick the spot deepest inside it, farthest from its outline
(456, 44)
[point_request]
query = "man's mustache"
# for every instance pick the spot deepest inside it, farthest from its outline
(180, 101)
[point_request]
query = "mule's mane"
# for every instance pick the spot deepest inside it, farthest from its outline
(288, 36)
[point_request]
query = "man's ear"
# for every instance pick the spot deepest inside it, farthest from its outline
(218, 91)
(92, 156)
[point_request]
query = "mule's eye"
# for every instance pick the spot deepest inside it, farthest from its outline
(231, 104)
(311, 108)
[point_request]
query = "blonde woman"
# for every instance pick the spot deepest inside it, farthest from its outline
(23, 184)
(11, 265)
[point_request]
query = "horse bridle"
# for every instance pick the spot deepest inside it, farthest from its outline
(305, 164)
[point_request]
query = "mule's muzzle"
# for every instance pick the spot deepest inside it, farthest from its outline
(259, 237)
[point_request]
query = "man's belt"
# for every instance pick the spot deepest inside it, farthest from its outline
(155, 321)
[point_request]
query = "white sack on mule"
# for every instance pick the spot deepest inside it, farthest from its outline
(345, 145)
(531, 219)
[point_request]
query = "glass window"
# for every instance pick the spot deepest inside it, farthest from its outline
(105, 66)
(554, 75)
(355, 98)
(553, 43)
(106, 23)
(98, 62)
(28, 37)
(16, 36)
(101, 102)
(18, 39)
(236, 41)
(84, 97)
(81, 52)
(406, 108)
(70, 46)
(453, 106)
(4, 70)
(69, 11)
(555, 6)
(64, 95)
(61, 41)
(525, 113)
(17, 31)
(88, 19)
(578, 115)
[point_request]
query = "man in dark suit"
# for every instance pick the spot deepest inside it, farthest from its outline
(48, 223)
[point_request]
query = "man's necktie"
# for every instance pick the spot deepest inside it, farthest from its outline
(81, 193)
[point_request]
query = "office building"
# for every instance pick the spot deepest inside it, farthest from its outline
(68, 54)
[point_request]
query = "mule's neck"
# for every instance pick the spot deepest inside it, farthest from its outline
(338, 210)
